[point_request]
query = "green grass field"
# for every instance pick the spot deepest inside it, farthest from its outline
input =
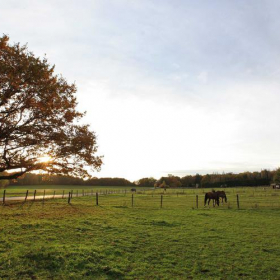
(115, 241)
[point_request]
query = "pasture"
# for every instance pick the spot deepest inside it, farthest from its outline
(114, 240)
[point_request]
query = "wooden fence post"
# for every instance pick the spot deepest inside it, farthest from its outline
(96, 198)
(69, 198)
(26, 195)
(132, 201)
(237, 199)
(4, 196)
(34, 195)
(196, 201)
(161, 198)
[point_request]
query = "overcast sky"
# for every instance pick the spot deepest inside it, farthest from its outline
(170, 87)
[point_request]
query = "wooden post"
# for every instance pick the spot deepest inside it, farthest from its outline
(69, 198)
(132, 202)
(237, 199)
(53, 194)
(26, 195)
(4, 196)
(97, 198)
(63, 194)
(161, 198)
(196, 201)
(34, 194)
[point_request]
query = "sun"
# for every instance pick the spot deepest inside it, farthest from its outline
(45, 158)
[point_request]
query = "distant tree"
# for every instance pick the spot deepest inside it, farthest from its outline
(174, 182)
(265, 174)
(276, 177)
(188, 181)
(198, 179)
(38, 117)
(206, 180)
(170, 181)
(146, 182)
(108, 182)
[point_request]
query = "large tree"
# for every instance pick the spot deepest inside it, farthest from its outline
(39, 120)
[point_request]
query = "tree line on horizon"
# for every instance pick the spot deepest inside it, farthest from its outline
(215, 180)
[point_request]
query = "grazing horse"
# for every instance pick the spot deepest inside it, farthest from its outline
(212, 195)
(222, 194)
(133, 190)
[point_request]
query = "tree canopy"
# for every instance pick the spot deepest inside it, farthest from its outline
(146, 182)
(38, 118)
(276, 177)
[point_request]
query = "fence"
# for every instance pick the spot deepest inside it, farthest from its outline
(238, 198)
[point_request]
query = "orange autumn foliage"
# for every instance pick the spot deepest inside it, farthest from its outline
(38, 117)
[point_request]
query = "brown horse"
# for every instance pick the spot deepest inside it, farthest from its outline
(212, 195)
(222, 194)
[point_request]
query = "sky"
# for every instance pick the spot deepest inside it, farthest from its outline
(171, 86)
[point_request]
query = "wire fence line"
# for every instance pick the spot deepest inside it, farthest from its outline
(239, 198)
(54, 194)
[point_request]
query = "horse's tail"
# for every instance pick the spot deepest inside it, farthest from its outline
(205, 199)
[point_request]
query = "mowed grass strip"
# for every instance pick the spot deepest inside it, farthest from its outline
(115, 241)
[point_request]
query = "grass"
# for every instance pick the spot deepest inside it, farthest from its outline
(115, 241)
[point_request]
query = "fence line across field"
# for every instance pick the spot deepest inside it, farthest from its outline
(145, 198)
(54, 195)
